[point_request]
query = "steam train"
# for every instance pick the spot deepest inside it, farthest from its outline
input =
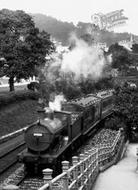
(55, 134)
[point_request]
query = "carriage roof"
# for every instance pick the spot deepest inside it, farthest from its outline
(104, 94)
(85, 101)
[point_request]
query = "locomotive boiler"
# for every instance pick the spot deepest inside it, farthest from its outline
(41, 136)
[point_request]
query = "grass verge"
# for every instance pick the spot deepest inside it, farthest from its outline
(17, 115)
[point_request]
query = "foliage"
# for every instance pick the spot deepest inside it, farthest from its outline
(114, 123)
(126, 107)
(33, 86)
(87, 38)
(22, 46)
(121, 58)
(83, 29)
(12, 97)
(135, 48)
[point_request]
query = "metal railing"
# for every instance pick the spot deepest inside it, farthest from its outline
(84, 170)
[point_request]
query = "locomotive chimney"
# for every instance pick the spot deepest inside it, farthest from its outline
(49, 113)
(41, 113)
(46, 113)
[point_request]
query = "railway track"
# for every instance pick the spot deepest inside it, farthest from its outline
(16, 177)
(8, 153)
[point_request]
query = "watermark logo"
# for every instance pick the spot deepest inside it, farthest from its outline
(110, 20)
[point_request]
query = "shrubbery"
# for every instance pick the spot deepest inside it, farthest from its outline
(125, 114)
(33, 86)
(11, 97)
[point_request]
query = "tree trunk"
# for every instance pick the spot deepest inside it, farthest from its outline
(11, 83)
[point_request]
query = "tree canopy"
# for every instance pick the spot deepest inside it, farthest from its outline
(121, 58)
(22, 46)
(126, 109)
(135, 48)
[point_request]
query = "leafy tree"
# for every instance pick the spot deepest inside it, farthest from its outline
(126, 107)
(115, 123)
(87, 38)
(22, 47)
(121, 58)
(83, 28)
(135, 48)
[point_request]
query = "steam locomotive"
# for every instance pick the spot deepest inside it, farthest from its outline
(57, 133)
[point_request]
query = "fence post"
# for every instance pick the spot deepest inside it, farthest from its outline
(47, 175)
(91, 166)
(97, 160)
(75, 172)
(82, 168)
(65, 167)
(10, 187)
(74, 160)
(87, 153)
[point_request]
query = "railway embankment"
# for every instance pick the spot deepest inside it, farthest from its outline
(17, 110)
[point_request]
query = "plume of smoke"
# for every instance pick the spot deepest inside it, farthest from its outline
(85, 60)
(52, 70)
(57, 103)
(80, 63)
(82, 60)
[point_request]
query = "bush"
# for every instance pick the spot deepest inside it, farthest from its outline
(126, 107)
(11, 97)
(33, 86)
(114, 123)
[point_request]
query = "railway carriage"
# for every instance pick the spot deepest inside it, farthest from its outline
(90, 105)
(106, 102)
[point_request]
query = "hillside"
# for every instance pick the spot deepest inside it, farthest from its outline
(58, 29)
(61, 30)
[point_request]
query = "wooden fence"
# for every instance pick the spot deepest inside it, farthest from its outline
(84, 170)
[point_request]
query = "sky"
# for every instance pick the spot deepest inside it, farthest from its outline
(78, 10)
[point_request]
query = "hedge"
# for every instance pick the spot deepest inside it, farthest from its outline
(10, 97)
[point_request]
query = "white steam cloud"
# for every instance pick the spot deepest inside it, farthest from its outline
(85, 60)
(82, 61)
(57, 103)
